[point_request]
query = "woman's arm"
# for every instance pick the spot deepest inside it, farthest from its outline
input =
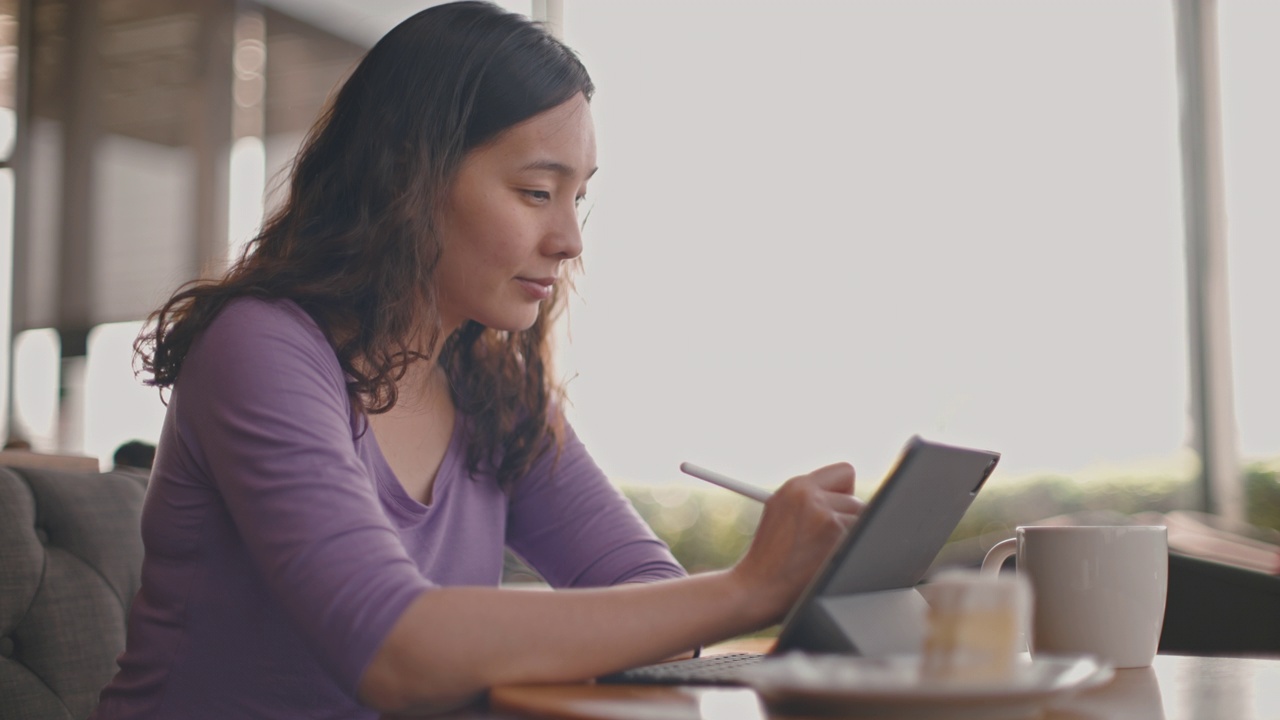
(452, 643)
(576, 529)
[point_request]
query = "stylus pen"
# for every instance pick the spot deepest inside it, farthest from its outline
(728, 483)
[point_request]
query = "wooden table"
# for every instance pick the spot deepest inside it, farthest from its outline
(1176, 687)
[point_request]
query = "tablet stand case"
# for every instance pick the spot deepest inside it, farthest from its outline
(872, 624)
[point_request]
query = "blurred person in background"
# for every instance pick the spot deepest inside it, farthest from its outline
(134, 455)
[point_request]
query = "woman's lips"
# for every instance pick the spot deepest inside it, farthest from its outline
(537, 288)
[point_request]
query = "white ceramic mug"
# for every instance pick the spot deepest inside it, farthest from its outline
(1098, 590)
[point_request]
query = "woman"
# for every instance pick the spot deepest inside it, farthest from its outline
(362, 415)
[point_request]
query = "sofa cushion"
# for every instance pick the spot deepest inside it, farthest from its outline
(70, 561)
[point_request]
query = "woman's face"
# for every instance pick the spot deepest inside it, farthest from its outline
(510, 220)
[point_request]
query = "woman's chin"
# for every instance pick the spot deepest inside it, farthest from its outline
(510, 322)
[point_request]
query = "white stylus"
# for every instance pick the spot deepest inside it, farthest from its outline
(728, 483)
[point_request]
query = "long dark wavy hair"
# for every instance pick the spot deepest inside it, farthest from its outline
(355, 243)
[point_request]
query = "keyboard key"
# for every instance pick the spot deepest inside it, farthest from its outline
(709, 670)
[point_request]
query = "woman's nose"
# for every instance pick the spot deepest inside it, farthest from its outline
(565, 237)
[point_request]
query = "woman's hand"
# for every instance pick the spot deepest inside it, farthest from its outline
(801, 524)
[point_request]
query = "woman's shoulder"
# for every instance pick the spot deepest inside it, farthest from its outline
(276, 313)
(262, 329)
(252, 319)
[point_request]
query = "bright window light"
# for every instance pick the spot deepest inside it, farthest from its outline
(820, 228)
(8, 128)
(245, 203)
(6, 275)
(1251, 146)
(117, 406)
(37, 367)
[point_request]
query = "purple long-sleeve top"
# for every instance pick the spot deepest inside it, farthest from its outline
(281, 548)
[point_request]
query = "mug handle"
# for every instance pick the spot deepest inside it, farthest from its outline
(997, 555)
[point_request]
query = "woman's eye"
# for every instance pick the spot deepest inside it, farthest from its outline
(577, 202)
(539, 195)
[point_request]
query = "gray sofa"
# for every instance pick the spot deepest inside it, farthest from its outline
(70, 560)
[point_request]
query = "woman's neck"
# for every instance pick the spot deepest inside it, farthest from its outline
(424, 385)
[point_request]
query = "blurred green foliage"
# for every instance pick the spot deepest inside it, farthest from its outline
(708, 528)
(1262, 494)
(1003, 508)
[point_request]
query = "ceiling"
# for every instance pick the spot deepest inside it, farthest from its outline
(150, 54)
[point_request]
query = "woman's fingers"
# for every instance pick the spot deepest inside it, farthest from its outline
(834, 484)
(846, 521)
(837, 477)
(829, 492)
(845, 504)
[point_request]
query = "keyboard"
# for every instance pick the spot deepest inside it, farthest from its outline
(709, 670)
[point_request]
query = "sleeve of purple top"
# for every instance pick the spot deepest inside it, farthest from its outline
(577, 530)
(264, 403)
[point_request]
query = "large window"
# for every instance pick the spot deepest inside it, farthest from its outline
(1251, 121)
(821, 227)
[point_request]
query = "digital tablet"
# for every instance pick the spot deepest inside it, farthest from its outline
(893, 543)
(863, 600)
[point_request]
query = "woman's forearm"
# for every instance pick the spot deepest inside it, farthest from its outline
(452, 643)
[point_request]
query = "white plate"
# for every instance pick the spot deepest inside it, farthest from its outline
(895, 686)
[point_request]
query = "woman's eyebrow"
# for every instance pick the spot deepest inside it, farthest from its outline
(553, 166)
